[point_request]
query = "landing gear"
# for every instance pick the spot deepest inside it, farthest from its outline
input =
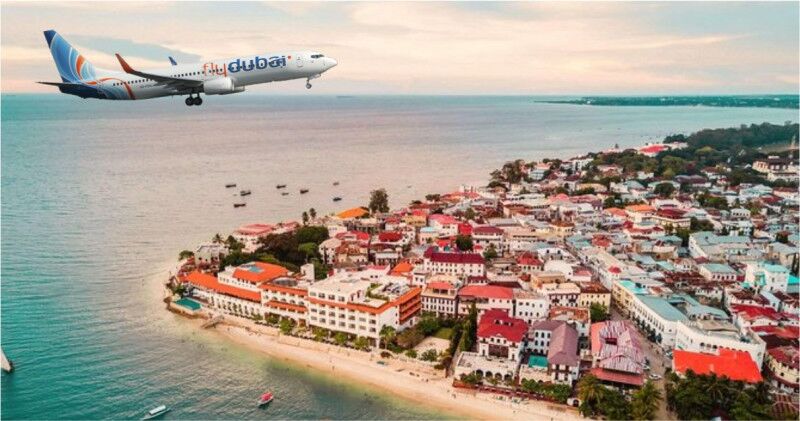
(308, 85)
(308, 81)
(194, 100)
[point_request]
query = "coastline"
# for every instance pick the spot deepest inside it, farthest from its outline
(360, 367)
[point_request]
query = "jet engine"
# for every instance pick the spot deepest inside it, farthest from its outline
(221, 86)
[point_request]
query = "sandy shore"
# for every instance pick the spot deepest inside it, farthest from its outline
(410, 380)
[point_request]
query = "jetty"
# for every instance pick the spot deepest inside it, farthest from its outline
(212, 321)
(5, 364)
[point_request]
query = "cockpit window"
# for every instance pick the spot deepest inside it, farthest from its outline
(317, 55)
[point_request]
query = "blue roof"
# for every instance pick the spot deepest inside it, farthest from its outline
(793, 280)
(718, 267)
(775, 268)
(631, 286)
(663, 308)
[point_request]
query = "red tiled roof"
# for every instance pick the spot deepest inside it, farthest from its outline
(487, 230)
(255, 229)
(786, 355)
(487, 291)
(752, 312)
(618, 376)
(496, 322)
(440, 285)
(390, 237)
(402, 267)
(258, 272)
(458, 258)
(210, 282)
(465, 229)
(736, 365)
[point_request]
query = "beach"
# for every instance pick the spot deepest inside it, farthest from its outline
(411, 381)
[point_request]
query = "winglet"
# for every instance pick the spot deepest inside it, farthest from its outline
(125, 66)
(172, 60)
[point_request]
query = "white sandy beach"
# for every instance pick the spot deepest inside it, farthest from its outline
(425, 385)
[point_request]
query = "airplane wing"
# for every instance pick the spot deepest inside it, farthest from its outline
(174, 82)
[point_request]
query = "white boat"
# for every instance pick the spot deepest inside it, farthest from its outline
(156, 412)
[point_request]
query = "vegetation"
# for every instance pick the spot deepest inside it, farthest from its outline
(706, 396)
(766, 101)
(411, 353)
(185, 254)
(490, 253)
(469, 336)
(464, 242)
(664, 190)
(361, 343)
(429, 355)
(340, 338)
(379, 201)
(598, 313)
(645, 402)
(596, 399)
(286, 326)
(387, 335)
(557, 392)
(290, 250)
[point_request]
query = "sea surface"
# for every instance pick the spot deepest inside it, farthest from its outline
(99, 197)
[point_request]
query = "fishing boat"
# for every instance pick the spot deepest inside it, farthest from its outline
(5, 363)
(229, 185)
(280, 186)
(266, 398)
(337, 198)
(335, 183)
(239, 205)
(285, 194)
(303, 191)
(156, 412)
(244, 193)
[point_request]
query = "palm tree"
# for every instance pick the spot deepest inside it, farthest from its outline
(217, 239)
(590, 391)
(305, 218)
(387, 334)
(645, 402)
(313, 213)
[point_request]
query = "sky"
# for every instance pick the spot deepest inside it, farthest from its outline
(461, 48)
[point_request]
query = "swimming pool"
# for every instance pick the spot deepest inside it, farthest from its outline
(188, 303)
(537, 361)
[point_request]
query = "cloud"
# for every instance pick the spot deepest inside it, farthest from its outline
(128, 47)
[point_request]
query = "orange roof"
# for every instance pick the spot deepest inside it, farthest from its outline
(353, 213)
(286, 306)
(402, 267)
(616, 211)
(258, 272)
(206, 281)
(736, 365)
(639, 208)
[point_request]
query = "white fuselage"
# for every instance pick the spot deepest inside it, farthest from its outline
(241, 72)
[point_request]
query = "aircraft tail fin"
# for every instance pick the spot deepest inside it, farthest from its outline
(172, 60)
(71, 65)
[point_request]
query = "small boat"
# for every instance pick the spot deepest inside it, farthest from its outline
(266, 398)
(335, 183)
(156, 412)
(303, 191)
(229, 185)
(285, 193)
(337, 198)
(280, 186)
(5, 364)
(244, 193)
(239, 205)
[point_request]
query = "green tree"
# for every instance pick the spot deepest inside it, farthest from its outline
(490, 253)
(411, 353)
(469, 214)
(428, 324)
(185, 254)
(464, 242)
(409, 338)
(664, 189)
(340, 338)
(598, 313)
(305, 218)
(645, 402)
(217, 239)
(286, 326)
(590, 392)
(429, 355)
(470, 336)
(309, 249)
(387, 335)
(361, 343)
(319, 334)
(312, 213)
(379, 201)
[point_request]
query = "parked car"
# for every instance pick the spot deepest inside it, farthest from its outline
(654, 376)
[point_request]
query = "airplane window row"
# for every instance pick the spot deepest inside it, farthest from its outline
(148, 80)
(317, 55)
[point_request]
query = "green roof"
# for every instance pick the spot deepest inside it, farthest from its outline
(663, 308)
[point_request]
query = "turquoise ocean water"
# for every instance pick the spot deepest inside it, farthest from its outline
(99, 197)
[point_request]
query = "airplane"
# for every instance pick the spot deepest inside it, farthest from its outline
(216, 77)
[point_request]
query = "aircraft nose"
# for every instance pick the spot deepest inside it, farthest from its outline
(329, 62)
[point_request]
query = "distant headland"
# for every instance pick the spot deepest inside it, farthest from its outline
(749, 101)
